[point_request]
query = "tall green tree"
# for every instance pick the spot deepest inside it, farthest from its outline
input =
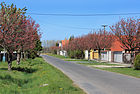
(32, 53)
(127, 33)
(38, 46)
(17, 32)
(11, 22)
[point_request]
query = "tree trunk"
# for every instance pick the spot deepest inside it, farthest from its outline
(99, 51)
(22, 55)
(82, 55)
(9, 61)
(88, 55)
(18, 58)
(25, 55)
(132, 59)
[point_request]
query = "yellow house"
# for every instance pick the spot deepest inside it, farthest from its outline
(96, 54)
(91, 54)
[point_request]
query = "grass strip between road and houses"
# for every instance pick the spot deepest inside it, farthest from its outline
(125, 71)
(35, 76)
(97, 63)
(121, 70)
(64, 58)
(57, 56)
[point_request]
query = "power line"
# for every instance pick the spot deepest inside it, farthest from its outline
(58, 14)
(72, 27)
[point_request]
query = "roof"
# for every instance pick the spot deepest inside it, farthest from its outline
(116, 46)
(64, 42)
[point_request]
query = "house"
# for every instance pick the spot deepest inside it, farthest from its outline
(113, 54)
(62, 44)
(86, 54)
(117, 52)
(94, 54)
(106, 55)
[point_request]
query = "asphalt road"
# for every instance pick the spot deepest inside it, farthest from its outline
(94, 81)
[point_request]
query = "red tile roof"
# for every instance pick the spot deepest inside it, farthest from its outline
(116, 46)
(64, 42)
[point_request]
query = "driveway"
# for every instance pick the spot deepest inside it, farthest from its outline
(95, 81)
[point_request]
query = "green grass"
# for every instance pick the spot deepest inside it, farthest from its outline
(65, 58)
(97, 63)
(58, 56)
(30, 75)
(125, 71)
(76, 60)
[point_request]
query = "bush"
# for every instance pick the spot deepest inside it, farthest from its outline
(78, 54)
(54, 51)
(71, 54)
(137, 62)
(32, 54)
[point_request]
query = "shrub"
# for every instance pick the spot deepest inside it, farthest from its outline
(78, 54)
(31, 54)
(137, 62)
(71, 54)
(54, 51)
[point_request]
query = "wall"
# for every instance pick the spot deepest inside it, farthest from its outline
(96, 54)
(86, 54)
(91, 54)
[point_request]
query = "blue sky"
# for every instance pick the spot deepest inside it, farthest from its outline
(61, 27)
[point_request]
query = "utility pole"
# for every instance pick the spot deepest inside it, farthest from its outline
(104, 27)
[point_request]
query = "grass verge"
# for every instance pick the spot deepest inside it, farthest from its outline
(97, 63)
(125, 71)
(121, 70)
(64, 58)
(58, 56)
(35, 76)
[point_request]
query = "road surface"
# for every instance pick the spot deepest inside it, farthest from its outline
(95, 81)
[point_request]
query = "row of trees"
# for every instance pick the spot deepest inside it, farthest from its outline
(17, 32)
(96, 40)
(126, 31)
